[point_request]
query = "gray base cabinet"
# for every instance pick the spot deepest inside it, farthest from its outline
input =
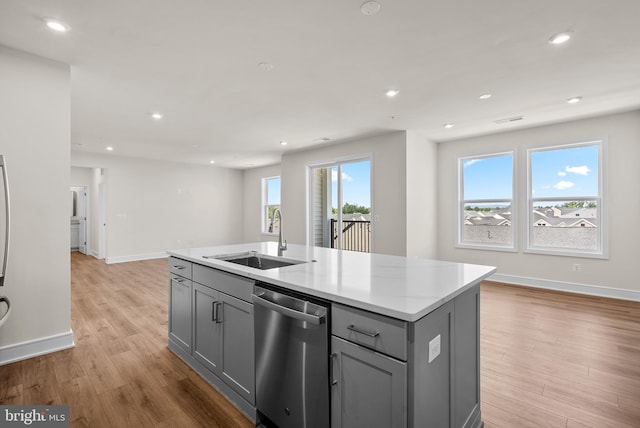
(180, 286)
(433, 383)
(223, 338)
(213, 327)
(369, 390)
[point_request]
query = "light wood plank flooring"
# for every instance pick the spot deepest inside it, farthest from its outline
(551, 359)
(547, 359)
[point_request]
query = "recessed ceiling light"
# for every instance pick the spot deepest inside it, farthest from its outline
(448, 125)
(392, 93)
(560, 38)
(156, 115)
(485, 96)
(109, 148)
(321, 140)
(212, 162)
(574, 100)
(56, 25)
(370, 7)
(283, 143)
(265, 66)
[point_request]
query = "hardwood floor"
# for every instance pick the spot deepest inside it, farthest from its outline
(120, 373)
(547, 359)
(558, 360)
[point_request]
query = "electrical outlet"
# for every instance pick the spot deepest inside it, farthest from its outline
(577, 267)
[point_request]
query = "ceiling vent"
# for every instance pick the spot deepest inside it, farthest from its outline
(509, 119)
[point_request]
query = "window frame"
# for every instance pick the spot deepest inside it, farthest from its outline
(264, 228)
(601, 252)
(513, 247)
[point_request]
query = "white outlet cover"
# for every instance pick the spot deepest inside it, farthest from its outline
(434, 348)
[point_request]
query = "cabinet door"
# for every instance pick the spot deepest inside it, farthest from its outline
(207, 327)
(180, 311)
(370, 389)
(237, 346)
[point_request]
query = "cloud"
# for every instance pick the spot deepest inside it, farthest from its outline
(345, 176)
(580, 170)
(561, 173)
(471, 162)
(563, 185)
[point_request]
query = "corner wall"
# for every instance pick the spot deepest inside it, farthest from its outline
(388, 198)
(622, 187)
(154, 206)
(35, 139)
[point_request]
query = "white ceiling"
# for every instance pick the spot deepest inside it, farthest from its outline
(196, 61)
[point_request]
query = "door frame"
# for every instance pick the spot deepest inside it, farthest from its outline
(338, 162)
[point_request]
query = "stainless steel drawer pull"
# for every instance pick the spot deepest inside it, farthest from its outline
(366, 333)
(179, 267)
(179, 280)
(331, 357)
(218, 312)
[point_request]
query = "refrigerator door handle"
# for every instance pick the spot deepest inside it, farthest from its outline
(5, 183)
(6, 314)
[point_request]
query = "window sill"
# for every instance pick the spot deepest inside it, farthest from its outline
(486, 248)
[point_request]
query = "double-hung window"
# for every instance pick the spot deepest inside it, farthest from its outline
(270, 201)
(486, 217)
(565, 202)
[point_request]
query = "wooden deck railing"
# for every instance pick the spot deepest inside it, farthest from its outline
(356, 235)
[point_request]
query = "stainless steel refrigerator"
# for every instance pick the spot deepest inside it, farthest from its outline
(5, 305)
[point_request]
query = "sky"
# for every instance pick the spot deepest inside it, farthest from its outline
(356, 183)
(570, 172)
(273, 191)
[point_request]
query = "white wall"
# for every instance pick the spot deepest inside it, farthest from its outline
(35, 139)
(622, 190)
(422, 196)
(154, 206)
(253, 203)
(388, 199)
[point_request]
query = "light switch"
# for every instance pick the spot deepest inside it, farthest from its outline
(434, 348)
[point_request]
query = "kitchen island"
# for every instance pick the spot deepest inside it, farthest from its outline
(404, 331)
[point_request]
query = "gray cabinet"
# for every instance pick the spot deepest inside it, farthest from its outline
(223, 334)
(180, 286)
(206, 327)
(388, 373)
(369, 389)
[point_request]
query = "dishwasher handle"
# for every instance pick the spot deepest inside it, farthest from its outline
(289, 312)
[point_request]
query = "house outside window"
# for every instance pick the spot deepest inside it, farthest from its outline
(270, 201)
(565, 200)
(486, 217)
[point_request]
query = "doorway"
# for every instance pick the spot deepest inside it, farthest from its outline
(340, 205)
(78, 225)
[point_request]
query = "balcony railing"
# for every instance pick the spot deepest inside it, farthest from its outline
(356, 235)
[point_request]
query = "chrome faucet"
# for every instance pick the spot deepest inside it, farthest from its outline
(282, 245)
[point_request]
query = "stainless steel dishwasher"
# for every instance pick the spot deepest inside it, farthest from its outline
(292, 359)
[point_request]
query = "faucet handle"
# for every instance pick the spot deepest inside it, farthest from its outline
(284, 245)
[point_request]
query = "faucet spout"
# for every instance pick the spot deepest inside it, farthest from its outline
(282, 245)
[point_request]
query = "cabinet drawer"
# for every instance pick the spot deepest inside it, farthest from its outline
(233, 285)
(383, 334)
(180, 267)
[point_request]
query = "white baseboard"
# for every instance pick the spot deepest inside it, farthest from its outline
(135, 258)
(33, 348)
(570, 287)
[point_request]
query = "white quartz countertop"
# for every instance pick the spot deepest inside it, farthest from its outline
(399, 287)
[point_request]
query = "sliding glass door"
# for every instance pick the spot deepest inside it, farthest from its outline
(341, 205)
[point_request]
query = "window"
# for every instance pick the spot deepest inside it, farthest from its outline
(565, 204)
(486, 210)
(270, 201)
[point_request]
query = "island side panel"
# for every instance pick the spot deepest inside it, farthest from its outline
(466, 359)
(430, 373)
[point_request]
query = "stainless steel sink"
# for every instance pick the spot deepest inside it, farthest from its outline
(256, 260)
